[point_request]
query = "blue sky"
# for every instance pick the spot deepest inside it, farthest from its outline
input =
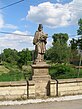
(23, 18)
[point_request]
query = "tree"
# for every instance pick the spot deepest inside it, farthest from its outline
(74, 52)
(61, 38)
(73, 43)
(79, 31)
(76, 44)
(10, 55)
(60, 51)
(25, 56)
(18, 58)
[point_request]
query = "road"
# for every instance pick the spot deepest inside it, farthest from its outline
(76, 104)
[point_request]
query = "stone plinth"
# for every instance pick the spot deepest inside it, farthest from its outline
(40, 71)
(41, 79)
(42, 88)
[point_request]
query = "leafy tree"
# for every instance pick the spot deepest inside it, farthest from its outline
(79, 31)
(61, 38)
(14, 57)
(74, 52)
(25, 56)
(60, 51)
(10, 55)
(75, 44)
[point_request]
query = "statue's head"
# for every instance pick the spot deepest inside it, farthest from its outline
(40, 27)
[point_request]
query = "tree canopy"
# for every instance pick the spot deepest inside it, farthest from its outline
(79, 31)
(60, 51)
(14, 57)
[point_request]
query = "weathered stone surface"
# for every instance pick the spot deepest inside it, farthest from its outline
(41, 79)
(66, 87)
(40, 71)
(13, 90)
(39, 88)
(40, 40)
(31, 89)
(53, 88)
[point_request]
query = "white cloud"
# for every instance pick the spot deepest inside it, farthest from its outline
(1, 21)
(56, 15)
(49, 42)
(3, 25)
(10, 26)
(19, 42)
(76, 9)
(16, 41)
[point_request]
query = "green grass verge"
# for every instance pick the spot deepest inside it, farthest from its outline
(13, 73)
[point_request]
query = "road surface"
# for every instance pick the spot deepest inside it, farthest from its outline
(76, 104)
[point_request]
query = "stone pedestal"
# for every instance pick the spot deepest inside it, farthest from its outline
(41, 79)
(40, 71)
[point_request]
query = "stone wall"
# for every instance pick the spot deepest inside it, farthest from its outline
(64, 87)
(13, 90)
(31, 89)
(25, 90)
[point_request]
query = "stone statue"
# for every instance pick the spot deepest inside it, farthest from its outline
(40, 40)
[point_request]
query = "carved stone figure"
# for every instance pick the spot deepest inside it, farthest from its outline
(40, 40)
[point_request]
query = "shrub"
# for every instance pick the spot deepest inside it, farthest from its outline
(62, 71)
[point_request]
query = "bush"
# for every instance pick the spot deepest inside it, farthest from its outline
(27, 72)
(62, 71)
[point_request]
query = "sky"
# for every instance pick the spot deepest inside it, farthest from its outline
(56, 16)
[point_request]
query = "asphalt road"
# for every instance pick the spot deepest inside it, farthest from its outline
(77, 104)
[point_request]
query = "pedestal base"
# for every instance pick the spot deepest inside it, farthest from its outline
(41, 79)
(40, 71)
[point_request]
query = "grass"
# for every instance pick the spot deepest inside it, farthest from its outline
(12, 76)
(10, 72)
(3, 69)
